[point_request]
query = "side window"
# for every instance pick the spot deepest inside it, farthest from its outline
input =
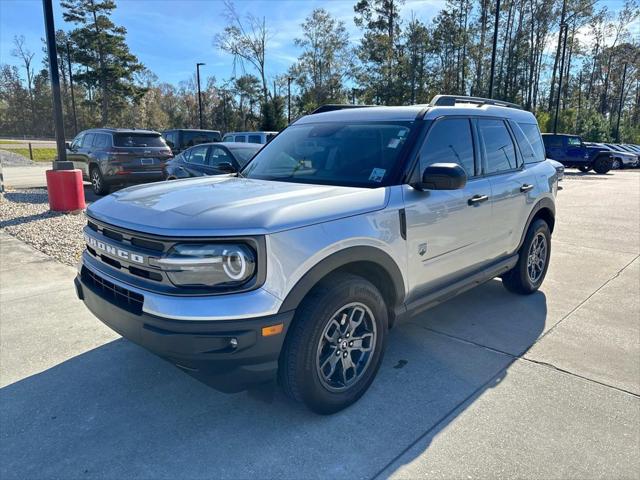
(228, 138)
(101, 140)
(573, 142)
(77, 142)
(241, 138)
(532, 132)
(527, 155)
(170, 138)
(449, 141)
(499, 151)
(219, 156)
(197, 155)
(255, 139)
(552, 142)
(88, 140)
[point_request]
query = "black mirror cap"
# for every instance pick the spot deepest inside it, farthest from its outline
(67, 145)
(442, 176)
(226, 167)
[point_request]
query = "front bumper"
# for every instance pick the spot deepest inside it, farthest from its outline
(229, 355)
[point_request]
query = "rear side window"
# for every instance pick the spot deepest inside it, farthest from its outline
(255, 139)
(532, 132)
(449, 141)
(573, 142)
(552, 142)
(195, 138)
(240, 138)
(101, 140)
(197, 155)
(499, 150)
(138, 140)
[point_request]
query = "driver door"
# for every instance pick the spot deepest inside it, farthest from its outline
(447, 230)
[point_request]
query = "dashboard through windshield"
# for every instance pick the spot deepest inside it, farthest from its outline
(346, 154)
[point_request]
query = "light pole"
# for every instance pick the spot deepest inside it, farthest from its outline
(73, 98)
(495, 47)
(55, 85)
(288, 99)
(199, 96)
(564, 28)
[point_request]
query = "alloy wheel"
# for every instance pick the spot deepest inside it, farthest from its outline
(96, 181)
(346, 347)
(537, 257)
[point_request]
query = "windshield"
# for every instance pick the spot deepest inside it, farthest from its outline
(138, 140)
(243, 155)
(348, 154)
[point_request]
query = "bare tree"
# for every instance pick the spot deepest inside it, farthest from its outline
(26, 55)
(246, 39)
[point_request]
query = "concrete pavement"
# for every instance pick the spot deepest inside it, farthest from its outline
(489, 385)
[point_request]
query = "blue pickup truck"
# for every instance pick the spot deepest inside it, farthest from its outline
(572, 152)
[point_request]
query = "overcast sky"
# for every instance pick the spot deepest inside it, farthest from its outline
(170, 36)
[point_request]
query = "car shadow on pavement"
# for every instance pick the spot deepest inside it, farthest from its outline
(118, 411)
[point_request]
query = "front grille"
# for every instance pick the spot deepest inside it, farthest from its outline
(125, 299)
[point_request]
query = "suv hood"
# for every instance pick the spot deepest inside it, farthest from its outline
(227, 206)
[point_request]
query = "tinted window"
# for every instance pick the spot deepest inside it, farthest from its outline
(101, 140)
(77, 142)
(197, 155)
(218, 156)
(138, 140)
(552, 142)
(189, 139)
(573, 142)
(255, 139)
(532, 133)
(449, 141)
(240, 138)
(270, 136)
(499, 151)
(356, 154)
(243, 155)
(88, 140)
(170, 138)
(228, 138)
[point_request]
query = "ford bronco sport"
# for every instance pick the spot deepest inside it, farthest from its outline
(348, 221)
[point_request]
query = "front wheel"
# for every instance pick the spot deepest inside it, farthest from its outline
(97, 182)
(584, 168)
(533, 262)
(335, 345)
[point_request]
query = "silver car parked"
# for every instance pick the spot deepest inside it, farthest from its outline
(298, 267)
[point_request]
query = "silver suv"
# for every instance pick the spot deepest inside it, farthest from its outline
(348, 221)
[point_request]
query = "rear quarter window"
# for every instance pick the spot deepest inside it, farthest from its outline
(529, 141)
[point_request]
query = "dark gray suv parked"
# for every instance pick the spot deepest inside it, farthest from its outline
(116, 156)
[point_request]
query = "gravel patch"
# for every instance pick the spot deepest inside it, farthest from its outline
(10, 159)
(25, 214)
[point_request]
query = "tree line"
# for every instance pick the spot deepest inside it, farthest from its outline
(575, 55)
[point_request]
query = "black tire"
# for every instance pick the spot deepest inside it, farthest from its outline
(98, 184)
(584, 168)
(602, 165)
(307, 347)
(519, 279)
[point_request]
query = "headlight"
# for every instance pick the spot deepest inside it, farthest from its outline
(208, 265)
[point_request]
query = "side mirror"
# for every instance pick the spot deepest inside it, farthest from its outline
(442, 176)
(67, 145)
(226, 167)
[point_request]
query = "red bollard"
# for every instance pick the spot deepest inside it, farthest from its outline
(66, 191)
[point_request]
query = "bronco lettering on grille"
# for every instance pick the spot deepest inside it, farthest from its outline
(111, 250)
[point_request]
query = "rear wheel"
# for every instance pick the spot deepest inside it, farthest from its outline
(335, 345)
(602, 165)
(97, 181)
(584, 168)
(528, 274)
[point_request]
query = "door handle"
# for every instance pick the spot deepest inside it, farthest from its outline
(526, 187)
(477, 199)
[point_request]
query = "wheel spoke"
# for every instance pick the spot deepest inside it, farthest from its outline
(355, 318)
(335, 328)
(364, 343)
(331, 361)
(349, 373)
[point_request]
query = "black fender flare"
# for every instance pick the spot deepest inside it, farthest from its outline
(544, 204)
(340, 259)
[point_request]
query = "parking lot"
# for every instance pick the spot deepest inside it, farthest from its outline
(489, 384)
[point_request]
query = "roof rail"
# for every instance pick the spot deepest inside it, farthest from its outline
(333, 106)
(452, 100)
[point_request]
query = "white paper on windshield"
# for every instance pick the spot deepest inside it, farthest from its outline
(377, 174)
(393, 143)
